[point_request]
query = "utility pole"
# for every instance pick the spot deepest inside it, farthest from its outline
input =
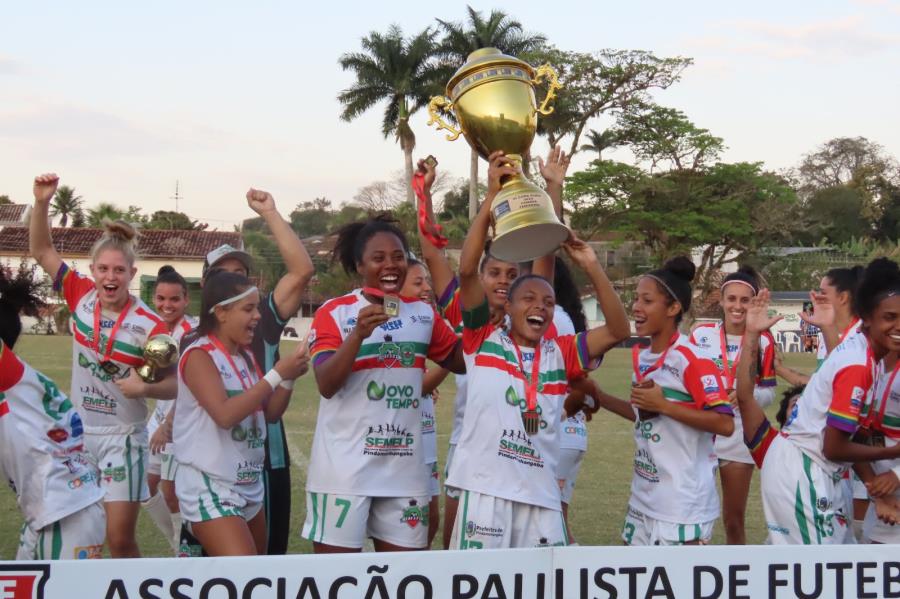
(177, 196)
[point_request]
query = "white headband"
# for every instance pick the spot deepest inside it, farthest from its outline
(742, 282)
(666, 287)
(237, 298)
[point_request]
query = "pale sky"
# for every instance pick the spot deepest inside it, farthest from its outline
(123, 99)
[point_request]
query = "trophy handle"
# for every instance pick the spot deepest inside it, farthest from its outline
(547, 72)
(438, 105)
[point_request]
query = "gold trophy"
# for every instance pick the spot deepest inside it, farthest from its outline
(160, 353)
(492, 98)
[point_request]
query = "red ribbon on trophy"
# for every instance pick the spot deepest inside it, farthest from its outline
(431, 230)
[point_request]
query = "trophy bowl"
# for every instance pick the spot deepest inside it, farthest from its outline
(492, 98)
(160, 353)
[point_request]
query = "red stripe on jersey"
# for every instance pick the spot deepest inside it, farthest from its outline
(4, 407)
(116, 355)
(489, 361)
(377, 364)
(11, 368)
(207, 348)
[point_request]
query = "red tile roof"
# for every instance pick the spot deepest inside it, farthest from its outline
(152, 243)
(11, 214)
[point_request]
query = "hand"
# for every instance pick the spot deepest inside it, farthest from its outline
(822, 315)
(45, 187)
(758, 319)
(732, 398)
(430, 172)
(161, 437)
(883, 485)
(779, 357)
(368, 319)
(296, 364)
(589, 387)
(887, 510)
(580, 252)
(554, 170)
(500, 166)
(435, 396)
(260, 201)
(650, 399)
(132, 386)
(574, 403)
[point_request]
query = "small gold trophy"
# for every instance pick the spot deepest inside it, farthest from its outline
(492, 98)
(160, 353)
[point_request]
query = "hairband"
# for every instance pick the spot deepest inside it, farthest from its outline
(742, 282)
(665, 285)
(236, 298)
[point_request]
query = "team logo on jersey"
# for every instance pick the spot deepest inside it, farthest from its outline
(391, 354)
(76, 425)
(512, 398)
(376, 392)
(23, 582)
(645, 467)
(312, 335)
(415, 515)
(113, 473)
(710, 384)
(97, 371)
(89, 552)
(388, 440)
(516, 445)
(57, 435)
(645, 429)
(856, 398)
(253, 435)
(85, 479)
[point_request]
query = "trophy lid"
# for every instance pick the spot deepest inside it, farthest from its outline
(481, 60)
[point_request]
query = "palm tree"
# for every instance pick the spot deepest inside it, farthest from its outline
(103, 211)
(401, 72)
(499, 31)
(600, 141)
(66, 204)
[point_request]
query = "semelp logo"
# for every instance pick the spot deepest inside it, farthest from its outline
(23, 582)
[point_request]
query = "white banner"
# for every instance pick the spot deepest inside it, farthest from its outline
(753, 572)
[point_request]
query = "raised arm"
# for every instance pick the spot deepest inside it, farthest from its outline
(554, 173)
(471, 292)
(617, 328)
(289, 290)
(758, 320)
(39, 240)
(438, 266)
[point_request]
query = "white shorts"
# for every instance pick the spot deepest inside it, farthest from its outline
(876, 531)
(347, 520)
(434, 481)
(122, 461)
(77, 536)
(489, 522)
(803, 504)
(451, 492)
(859, 487)
(733, 448)
(168, 467)
(641, 529)
(567, 471)
(202, 497)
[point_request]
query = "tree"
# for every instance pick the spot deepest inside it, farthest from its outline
(599, 83)
(401, 72)
(658, 134)
(835, 214)
(498, 30)
(600, 141)
(169, 219)
(269, 263)
(5, 201)
(103, 211)
(67, 205)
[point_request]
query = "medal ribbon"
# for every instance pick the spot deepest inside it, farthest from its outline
(729, 371)
(847, 331)
(221, 347)
(884, 399)
(425, 225)
(531, 387)
(636, 362)
(95, 342)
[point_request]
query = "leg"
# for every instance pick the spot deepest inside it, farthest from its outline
(451, 504)
(167, 489)
(257, 526)
(736, 477)
(226, 536)
(121, 528)
(434, 519)
(277, 480)
(153, 483)
(565, 515)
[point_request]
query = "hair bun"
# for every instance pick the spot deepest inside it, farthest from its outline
(165, 269)
(681, 267)
(879, 268)
(120, 229)
(748, 270)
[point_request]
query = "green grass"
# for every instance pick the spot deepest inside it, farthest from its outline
(600, 495)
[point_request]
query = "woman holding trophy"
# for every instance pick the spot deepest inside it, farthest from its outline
(110, 329)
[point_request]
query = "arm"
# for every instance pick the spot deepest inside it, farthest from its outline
(134, 387)
(297, 364)
(652, 399)
(615, 405)
(839, 447)
(752, 413)
(437, 263)
(332, 370)
(433, 378)
(40, 242)
(203, 379)
(289, 290)
(554, 173)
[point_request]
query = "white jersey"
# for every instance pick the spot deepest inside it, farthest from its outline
(429, 430)
(368, 438)
(708, 338)
(234, 456)
(884, 417)
(41, 446)
(94, 373)
(161, 410)
(574, 434)
(822, 350)
(495, 455)
(835, 396)
(675, 464)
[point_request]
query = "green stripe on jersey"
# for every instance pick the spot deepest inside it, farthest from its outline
(315, 511)
(676, 395)
(368, 350)
(125, 348)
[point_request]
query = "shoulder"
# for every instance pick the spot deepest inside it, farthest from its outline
(339, 302)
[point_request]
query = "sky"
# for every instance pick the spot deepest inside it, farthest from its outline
(124, 99)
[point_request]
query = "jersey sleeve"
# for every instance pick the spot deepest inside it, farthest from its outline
(11, 370)
(477, 327)
(848, 392)
(324, 336)
(443, 340)
(450, 305)
(71, 285)
(271, 323)
(759, 443)
(575, 353)
(704, 383)
(766, 376)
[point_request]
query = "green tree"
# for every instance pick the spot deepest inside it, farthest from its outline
(498, 30)
(836, 214)
(4, 200)
(658, 134)
(600, 141)
(169, 219)
(400, 72)
(103, 211)
(312, 218)
(269, 265)
(66, 204)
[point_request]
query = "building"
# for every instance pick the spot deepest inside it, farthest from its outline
(14, 215)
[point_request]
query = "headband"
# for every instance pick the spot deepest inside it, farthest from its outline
(742, 282)
(665, 286)
(236, 298)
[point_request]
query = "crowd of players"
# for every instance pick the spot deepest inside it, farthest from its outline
(210, 464)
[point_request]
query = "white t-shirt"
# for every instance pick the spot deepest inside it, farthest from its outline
(574, 433)
(41, 446)
(884, 413)
(835, 396)
(235, 456)
(161, 409)
(102, 405)
(429, 430)
(368, 438)
(495, 455)
(822, 350)
(675, 464)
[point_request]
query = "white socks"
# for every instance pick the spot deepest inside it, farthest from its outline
(176, 529)
(159, 512)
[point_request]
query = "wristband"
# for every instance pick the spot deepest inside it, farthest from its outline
(289, 384)
(273, 378)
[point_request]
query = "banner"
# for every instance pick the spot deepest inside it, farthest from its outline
(860, 571)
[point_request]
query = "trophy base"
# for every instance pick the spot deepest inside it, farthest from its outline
(525, 223)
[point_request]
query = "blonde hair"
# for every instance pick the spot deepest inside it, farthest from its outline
(118, 235)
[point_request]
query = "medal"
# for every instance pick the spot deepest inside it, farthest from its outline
(641, 379)
(108, 366)
(531, 420)
(531, 415)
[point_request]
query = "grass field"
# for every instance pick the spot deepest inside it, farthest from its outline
(600, 495)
